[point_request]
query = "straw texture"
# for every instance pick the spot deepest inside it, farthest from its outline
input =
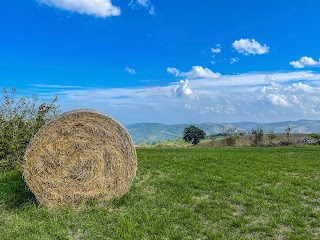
(82, 155)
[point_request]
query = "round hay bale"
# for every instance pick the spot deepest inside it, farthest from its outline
(81, 155)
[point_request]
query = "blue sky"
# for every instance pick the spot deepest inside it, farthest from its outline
(166, 61)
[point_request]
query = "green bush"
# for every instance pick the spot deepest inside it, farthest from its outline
(315, 135)
(20, 119)
(258, 134)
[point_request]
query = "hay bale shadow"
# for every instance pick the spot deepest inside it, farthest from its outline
(13, 191)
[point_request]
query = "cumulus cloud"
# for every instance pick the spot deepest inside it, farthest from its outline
(249, 46)
(98, 8)
(262, 97)
(194, 73)
(279, 100)
(305, 62)
(217, 49)
(300, 98)
(130, 70)
(302, 88)
(294, 88)
(183, 90)
(144, 3)
(200, 72)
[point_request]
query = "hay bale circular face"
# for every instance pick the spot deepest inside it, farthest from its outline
(80, 156)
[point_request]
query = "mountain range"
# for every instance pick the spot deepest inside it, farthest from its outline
(155, 132)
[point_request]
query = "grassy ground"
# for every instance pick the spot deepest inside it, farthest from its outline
(219, 193)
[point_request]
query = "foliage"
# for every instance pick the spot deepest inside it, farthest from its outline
(211, 136)
(231, 140)
(258, 134)
(20, 119)
(272, 135)
(288, 131)
(315, 135)
(217, 135)
(193, 134)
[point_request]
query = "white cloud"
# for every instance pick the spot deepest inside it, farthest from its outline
(173, 71)
(302, 88)
(194, 73)
(305, 62)
(183, 90)
(289, 89)
(262, 97)
(293, 76)
(234, 60)
(279, 100)
(250, 46)
(299, 98)
(190, 107)
(144, 3)
(200, 72)
(217, 49)
(218, 109)
(130, 70)
(98, 8)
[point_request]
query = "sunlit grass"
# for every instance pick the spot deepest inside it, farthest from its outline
(220, 193)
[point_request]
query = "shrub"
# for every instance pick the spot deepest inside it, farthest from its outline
(315, 135)
(231, 140)
(20, 119)
(288, 132)
(272, 135)
(258, 133)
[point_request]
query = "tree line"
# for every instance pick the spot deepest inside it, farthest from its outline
(194, 135)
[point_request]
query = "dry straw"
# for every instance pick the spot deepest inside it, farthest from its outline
(82, 155)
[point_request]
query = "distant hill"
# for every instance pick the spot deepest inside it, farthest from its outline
(155, 132)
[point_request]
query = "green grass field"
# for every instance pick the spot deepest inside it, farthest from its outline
(193, 193)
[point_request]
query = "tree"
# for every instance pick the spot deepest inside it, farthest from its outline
(288, 131)
(193, 134)
(258, 133)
